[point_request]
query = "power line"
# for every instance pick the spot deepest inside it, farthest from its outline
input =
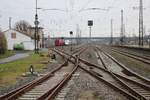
(86, 4)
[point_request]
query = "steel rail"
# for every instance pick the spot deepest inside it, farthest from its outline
(19, 91)
(125, 68)
(139, 58)
(108, 83)
(57, 89)
(106, 70)
(133, 91)
(97, 76)
(54, 91)
(130, 89)
(134, 53)
(125, 85)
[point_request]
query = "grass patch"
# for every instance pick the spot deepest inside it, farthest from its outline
(11, 71)
(7, 54)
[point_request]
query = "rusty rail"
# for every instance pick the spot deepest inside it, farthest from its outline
(131, 90)
(115, 76)
(101, 79)
(17, 92)
(54, 91)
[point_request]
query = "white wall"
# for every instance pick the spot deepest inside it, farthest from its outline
(28, 45)
(20, 38)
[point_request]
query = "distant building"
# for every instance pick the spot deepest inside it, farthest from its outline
(15, 37)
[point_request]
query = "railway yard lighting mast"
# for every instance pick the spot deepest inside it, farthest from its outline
(36, 36)
(149, 38)
(111, 38)
(141, 23)
(122, 29)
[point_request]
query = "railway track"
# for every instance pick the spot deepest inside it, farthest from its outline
(42, 86)
(138, 87)
(18, 92)
(127, 70)
(102, 77)
(132, 51)
(134, 56)
(47, 86)
(52, 85)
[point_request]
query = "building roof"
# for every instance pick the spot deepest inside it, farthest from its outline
(17, 31)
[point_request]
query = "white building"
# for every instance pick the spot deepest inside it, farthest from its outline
(14, 37)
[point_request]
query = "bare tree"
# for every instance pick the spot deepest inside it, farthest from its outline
(22, 26)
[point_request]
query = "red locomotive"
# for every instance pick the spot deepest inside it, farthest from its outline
(59, 42)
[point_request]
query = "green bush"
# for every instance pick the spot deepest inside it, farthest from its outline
(18, 46)
(3, 44)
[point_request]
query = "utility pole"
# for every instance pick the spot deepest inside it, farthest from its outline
(149, 38)
(111, 39)
(122, 29)
(77, 34)
(90, 30)
(144, 34)
(36, 36)
(10, 22)
(141, 23)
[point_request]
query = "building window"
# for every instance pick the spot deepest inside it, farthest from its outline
(13, 35)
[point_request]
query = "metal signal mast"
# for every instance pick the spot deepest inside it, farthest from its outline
(111, 39)
(122, 29)
(36, 35)
(141, 23)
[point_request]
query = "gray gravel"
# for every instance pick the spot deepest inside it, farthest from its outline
(89, 55)
(86, 87)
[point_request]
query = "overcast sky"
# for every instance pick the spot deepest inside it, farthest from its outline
(59, 23)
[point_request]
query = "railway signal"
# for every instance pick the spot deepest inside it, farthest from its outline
(122, 29)
(90, 24)
(71, 33)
